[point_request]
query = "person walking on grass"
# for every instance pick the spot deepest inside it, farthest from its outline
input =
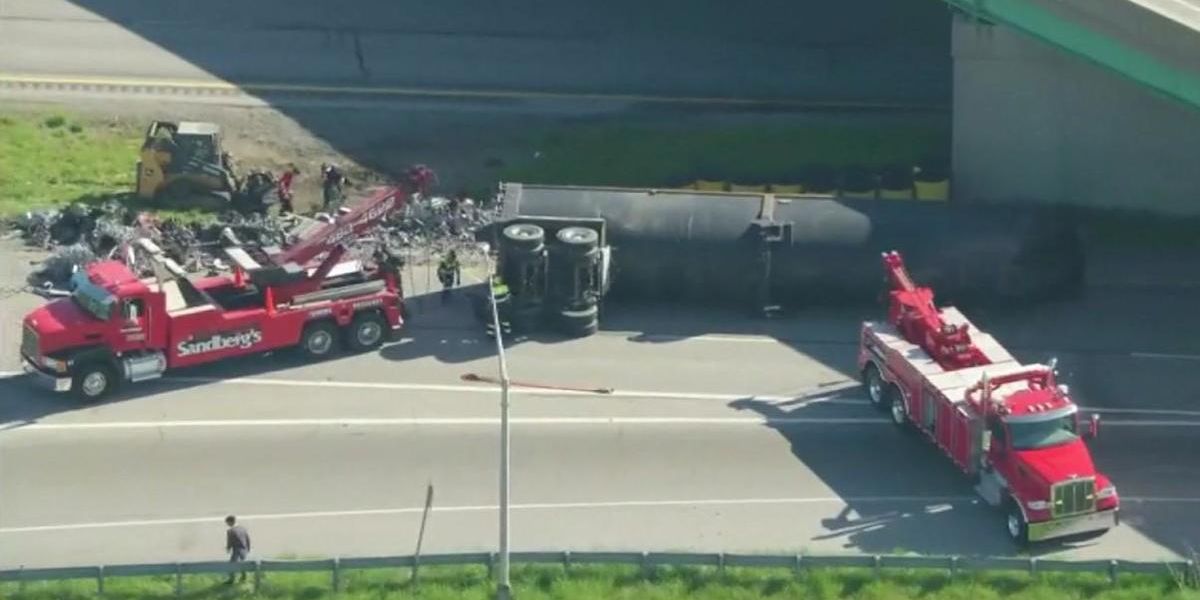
(237, 544)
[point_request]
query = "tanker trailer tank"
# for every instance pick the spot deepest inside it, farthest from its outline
(767, 250)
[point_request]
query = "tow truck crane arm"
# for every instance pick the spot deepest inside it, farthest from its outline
(334, 237)
(913, 313)
(285, 272)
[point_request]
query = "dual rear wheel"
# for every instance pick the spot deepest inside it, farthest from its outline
(885, 396)
(364, 333)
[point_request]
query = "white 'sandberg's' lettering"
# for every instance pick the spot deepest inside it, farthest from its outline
(220, 341)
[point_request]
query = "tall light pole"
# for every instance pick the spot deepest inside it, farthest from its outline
(503, 586)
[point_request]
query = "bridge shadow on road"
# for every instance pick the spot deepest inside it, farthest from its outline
(900, 493)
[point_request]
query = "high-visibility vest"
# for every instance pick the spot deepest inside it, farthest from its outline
(499, 290)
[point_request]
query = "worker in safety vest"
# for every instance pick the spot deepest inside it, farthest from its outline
(503, 301)
(449, 272)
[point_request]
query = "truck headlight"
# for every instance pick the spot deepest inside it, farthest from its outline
(1037, 505)
(54, 364)
(1106, 492)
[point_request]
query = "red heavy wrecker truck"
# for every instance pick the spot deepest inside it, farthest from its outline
(116, 327)
(1010, 426)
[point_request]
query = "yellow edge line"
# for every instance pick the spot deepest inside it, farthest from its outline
(455, 93)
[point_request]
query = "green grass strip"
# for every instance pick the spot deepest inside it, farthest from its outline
(49, 159)
(616, 583)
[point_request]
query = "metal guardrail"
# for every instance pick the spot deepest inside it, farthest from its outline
(646, 560)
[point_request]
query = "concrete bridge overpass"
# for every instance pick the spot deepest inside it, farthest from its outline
(1093, 102)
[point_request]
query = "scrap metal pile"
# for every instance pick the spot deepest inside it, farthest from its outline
(79, 234)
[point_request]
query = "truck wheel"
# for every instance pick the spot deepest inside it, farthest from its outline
(897, 410)
(1015, 525)
(876, 387)
(579, 241)
(524, 237)
(366, 332)
(318, 340)
(93, 381)
(580, 323)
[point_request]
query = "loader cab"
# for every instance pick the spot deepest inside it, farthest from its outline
(187, 150)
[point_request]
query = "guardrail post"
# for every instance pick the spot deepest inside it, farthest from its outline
(1033, 571)
(491, 566)
(798, 569)
(1112, 571)
(257, 575)
(878, 566)
(337, 575)
(721, 564)
(566, 560)
(953, 566)
(645, 565)
(100, 580)
(178, 580)
(21, 578)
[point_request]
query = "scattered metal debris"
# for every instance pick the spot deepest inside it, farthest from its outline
(79, 234)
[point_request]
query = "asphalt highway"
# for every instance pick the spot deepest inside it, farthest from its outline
(710, 441)
(669, 48)
(721, 434)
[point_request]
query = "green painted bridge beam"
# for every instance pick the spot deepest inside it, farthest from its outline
(1096, 47)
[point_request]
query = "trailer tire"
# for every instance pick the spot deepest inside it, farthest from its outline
(366, 332)
(1015, 524)
(579, 241)
(524, 237)
(318, 340)
(580, 323)
(93, 381)
(876, 387)
(896, 407)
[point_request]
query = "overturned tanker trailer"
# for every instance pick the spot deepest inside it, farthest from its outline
(775, 251)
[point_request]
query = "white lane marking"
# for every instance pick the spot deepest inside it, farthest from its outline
(1143, 411)
(836, 388)
(832, 398)
(1152, 424)
(1165, 355)
(935, 502)
(708, 337)
(435, 421)
(20, 426)
(486, 508)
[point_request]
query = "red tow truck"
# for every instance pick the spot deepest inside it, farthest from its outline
(116, 327)
(1010, 426)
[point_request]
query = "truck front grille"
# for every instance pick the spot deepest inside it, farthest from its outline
(29, 342)
(1074, 497)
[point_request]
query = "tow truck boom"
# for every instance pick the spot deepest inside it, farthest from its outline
(284, 274)
(914, 314)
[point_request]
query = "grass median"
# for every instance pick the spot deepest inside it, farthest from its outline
(626, 155)
(50, 159)
(612, 583)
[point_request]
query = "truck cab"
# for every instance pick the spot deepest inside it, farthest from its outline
(1035, 447)
(98, 335)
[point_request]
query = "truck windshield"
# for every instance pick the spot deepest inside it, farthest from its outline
(91, 298)
(1031, 435)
